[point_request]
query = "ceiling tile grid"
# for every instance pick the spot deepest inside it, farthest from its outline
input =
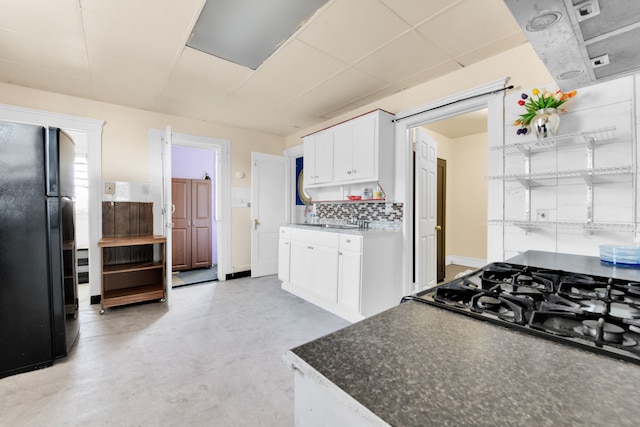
(348, 54)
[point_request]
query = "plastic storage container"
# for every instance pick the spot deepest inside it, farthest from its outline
(622, 255)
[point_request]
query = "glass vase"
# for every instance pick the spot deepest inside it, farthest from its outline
(545, 123)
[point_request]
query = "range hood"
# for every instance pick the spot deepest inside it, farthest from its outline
(582, 42)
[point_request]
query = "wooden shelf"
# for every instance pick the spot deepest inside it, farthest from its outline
(124, 296)
(112, 242)
(133, 266)
(131, 275)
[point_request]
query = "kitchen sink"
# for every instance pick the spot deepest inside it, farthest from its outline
(338, 226)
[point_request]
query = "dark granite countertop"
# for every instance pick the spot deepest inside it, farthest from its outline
(416, 365)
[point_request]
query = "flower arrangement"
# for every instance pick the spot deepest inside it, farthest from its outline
(539, 100)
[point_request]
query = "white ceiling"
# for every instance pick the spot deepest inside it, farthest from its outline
(349, 54)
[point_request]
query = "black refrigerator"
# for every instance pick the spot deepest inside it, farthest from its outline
(38, 285)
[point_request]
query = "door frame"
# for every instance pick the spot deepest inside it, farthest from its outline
(222, 212)
(461, 103)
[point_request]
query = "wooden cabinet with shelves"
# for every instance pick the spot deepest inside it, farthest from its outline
(130, 273)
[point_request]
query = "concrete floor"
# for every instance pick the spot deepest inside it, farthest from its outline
(214, 358)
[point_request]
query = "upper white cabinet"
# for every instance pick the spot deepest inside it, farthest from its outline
(362, 152)
(318, 158)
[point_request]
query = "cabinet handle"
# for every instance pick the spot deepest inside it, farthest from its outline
(348, 172)
(309, 247)
(339, 253)
(354, 171)
(348, 240)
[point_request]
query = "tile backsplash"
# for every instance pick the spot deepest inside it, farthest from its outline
(374, 212)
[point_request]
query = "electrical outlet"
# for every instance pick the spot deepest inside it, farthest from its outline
(542, 214)
(110, 188)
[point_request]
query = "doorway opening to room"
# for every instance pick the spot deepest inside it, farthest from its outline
(460, 188)
(195, 230)
(420, 152)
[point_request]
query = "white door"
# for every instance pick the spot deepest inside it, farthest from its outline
(167, 209)
(268, 211)
(425, 209)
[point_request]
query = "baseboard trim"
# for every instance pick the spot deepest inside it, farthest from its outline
(466, 261)
(238, 275)
(95, 299)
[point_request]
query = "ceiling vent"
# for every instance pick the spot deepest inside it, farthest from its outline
(582, 42)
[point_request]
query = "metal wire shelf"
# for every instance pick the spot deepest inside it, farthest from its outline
(575, 173)
(568, 225)
(605, 135)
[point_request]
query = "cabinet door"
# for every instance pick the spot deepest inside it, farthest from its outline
(309, 160)
(364, 148)
(324, 157)
(349, 278)
(301, 267)
(325, 272)
(181, 217)
(284, 252)
(343, 153)
(200, 223)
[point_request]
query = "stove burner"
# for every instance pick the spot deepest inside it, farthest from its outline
(602, 331)
(597, 313)
(488, 302)
(609, 294)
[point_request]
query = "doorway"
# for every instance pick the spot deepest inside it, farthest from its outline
(489, 96)
(194, 232)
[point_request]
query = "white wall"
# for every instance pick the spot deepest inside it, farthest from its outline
(565, 202)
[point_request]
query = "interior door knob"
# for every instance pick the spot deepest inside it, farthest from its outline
(437, 228)
(255, 224)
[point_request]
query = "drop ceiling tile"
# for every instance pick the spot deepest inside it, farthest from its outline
(41, 53)
(201, 81)
(129, 76)
(416, 11)
(136, 44)
(170, 17)
(37, 78)
(57, 22)
(498, 46)
(123, 95)
(402, 58)
(292, 71)
(351, 29)
(468, 24)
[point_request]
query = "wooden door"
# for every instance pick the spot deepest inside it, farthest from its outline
(441, 208)
(200, 223)
(181, 218)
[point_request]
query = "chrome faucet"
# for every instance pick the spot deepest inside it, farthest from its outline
(354, 215)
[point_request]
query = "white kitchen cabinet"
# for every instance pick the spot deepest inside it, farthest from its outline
(284, 254)
(318, 158)
(353, 276)
(314, 262)
(350, 272)
(355, 152)
(363, 153)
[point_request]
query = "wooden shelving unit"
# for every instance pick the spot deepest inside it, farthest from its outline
(129, 272)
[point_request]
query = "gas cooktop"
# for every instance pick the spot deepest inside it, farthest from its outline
(596, 313)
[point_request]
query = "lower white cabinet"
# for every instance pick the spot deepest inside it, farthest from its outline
(349, 273)
(353, 276)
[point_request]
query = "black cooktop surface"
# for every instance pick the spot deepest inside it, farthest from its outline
(597, 313)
